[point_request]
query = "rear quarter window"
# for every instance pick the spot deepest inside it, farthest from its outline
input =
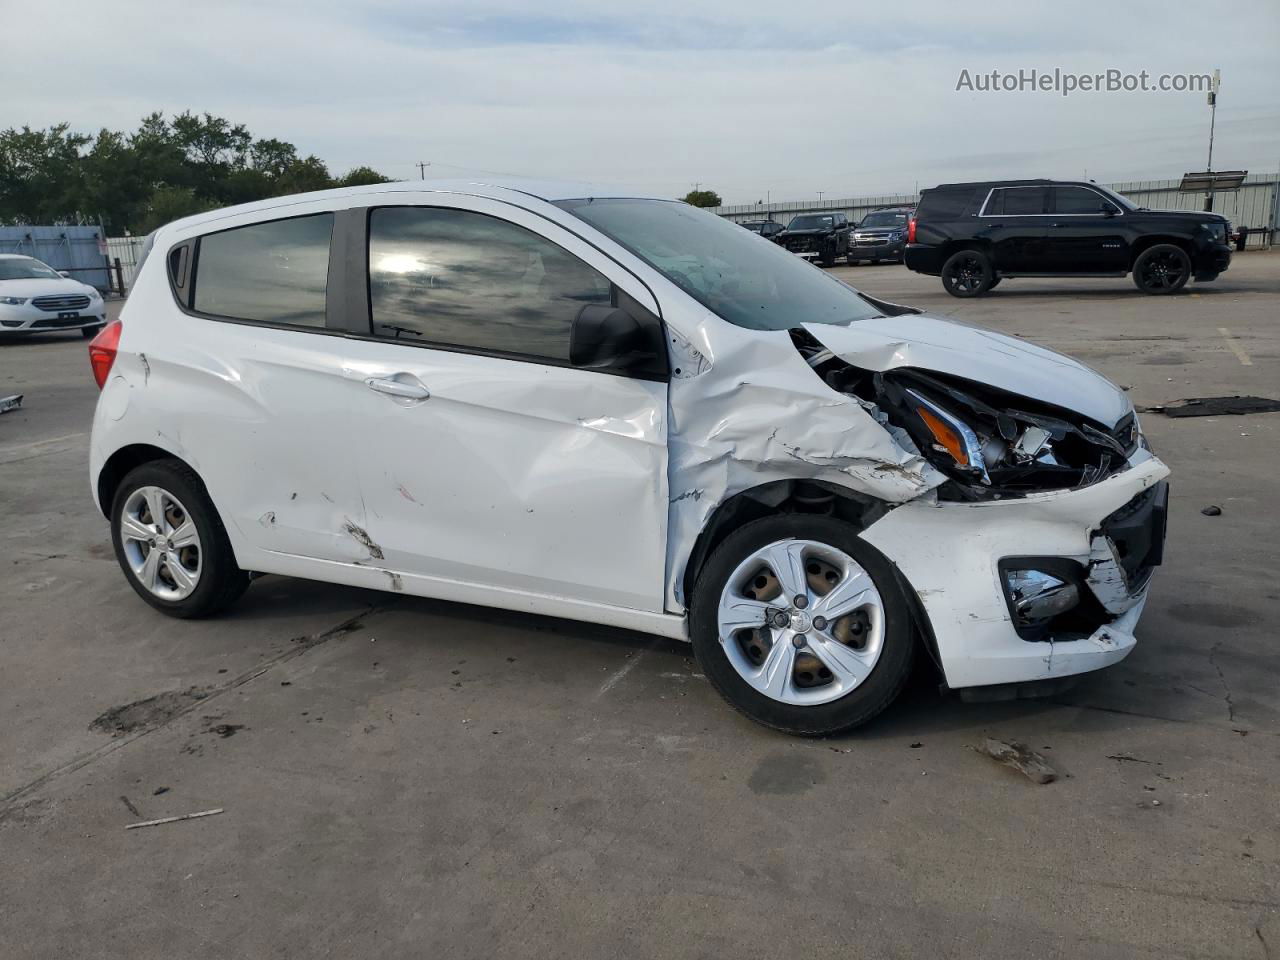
(273, 273)
(943, 204)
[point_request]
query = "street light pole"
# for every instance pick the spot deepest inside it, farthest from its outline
(1213, 116)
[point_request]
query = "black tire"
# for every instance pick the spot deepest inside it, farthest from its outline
(221, 582)
(827, 259)
(852, 260)
(994, 283)
(866, 700)
(90, 332)
(1162, 269)
(967, 273)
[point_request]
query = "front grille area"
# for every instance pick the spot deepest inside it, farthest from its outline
(802, 245)
(49, 323)
(1138, 530)
(60, 302)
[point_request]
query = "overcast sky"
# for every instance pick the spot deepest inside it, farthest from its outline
(749, 98)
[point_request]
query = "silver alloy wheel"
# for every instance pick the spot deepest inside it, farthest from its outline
(161, 543)
(801, 622)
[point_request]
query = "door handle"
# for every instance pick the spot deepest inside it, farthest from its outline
(409, 389)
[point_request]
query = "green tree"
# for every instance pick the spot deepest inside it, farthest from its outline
(163, 170)
(302, 176)
(362, 177)
(702, 198)
(41, 180)
(168, 204)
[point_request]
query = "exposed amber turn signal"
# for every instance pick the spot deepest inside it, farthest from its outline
(947, 438)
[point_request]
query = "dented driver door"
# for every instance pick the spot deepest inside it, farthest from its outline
(486, 458)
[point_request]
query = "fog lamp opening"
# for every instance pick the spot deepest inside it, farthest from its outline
(1039, 596)
(1048, 599)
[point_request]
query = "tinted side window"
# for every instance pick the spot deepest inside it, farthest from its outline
(1076, 200)
(268, 272)
(463, 279)
(937, 205)
(1016, 201)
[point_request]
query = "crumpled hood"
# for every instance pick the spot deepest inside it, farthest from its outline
(1004, 362)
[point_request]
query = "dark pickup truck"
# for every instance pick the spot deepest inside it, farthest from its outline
(973, 235)
(817, 236)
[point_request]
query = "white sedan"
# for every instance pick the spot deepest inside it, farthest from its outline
(35, 297)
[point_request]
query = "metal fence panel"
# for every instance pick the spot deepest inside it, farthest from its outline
(126, 251)
(79, 250)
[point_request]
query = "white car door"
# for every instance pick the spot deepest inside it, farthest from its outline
(486, 458)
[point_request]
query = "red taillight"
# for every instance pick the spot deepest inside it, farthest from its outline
(102, 352)
(911, 231)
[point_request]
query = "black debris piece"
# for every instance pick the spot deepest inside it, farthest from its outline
(1212, 511)
(1216, 407)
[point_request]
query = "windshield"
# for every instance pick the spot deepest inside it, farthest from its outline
(810, 223)
(24, 268)
(884, 218)
(754, 226)
(751, 284)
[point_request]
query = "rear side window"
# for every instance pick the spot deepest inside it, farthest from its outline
(458, 279)
(1016, 202)
(938, 205)
(271, 272)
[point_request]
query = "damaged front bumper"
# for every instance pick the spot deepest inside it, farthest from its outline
(966, 563)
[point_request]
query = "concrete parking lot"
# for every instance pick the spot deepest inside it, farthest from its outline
(405, 778)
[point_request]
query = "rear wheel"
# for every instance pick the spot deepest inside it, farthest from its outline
(994, 283)
(801, 625)
(171, 544)
(967, 274)
(1162, 269)
(90, 332)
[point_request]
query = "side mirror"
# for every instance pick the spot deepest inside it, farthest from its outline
(1109, 209)
(65, 273)
(611, 338)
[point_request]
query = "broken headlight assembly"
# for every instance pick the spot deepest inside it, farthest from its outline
(991, 443)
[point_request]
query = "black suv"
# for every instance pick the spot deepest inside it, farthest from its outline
(817, 236)
(974, 235)
(881, 235)
(766, 228)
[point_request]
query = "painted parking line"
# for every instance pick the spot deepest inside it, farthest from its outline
(1234, 344)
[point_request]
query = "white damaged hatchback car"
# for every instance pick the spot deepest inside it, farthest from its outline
(623, 410)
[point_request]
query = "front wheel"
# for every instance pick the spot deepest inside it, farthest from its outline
(171, 544)
(801, 625)
(90, 332)
(967, 274)
(1162, 269)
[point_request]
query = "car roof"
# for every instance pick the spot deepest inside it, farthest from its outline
(498, 188)
(1010, 183)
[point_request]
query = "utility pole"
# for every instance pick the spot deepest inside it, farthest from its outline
(1213, 116)
(820, 192)
(422, 168)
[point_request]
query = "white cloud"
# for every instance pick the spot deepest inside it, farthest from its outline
(744, 97)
